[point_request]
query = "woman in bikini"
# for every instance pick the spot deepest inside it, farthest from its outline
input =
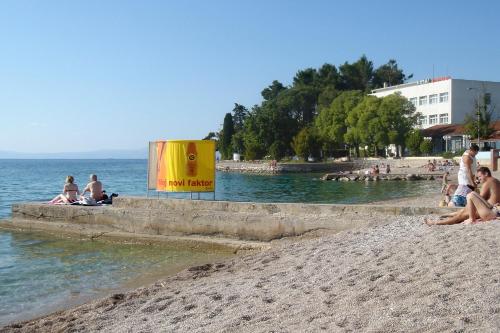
(70, 192)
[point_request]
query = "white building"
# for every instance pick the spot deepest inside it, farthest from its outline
(445, 100)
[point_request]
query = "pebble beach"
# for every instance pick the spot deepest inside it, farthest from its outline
(398, 275)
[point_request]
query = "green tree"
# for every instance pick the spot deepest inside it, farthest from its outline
(326, 97)
(227, 135)
(398, 117)
(413, 141)
(240, 113)
(368, 126)
(389, 73)
(254, 150)
(267, 124)
(273, 90)
(284, 111)
(358, 75)
(210, 136)
(483, 109)
(328, 76)
(237, 142)
(426, 147)
(331, 122)
(306, 143)
(278, 150)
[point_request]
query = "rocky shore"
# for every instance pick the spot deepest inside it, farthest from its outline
(412, 165)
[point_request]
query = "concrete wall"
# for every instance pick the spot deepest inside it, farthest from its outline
(247, 221)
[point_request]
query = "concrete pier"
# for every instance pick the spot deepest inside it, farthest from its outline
(234, 220)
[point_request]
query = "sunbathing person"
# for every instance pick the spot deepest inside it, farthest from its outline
(70, 192)
(95, 188)
(482, 206)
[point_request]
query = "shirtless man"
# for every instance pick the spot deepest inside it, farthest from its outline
(478, 206)
(95, 188)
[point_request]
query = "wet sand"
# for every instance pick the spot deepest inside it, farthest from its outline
(399, 276)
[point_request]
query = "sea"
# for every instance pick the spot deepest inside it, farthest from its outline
(40, 273)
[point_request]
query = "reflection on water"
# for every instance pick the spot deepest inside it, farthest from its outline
(39, 273)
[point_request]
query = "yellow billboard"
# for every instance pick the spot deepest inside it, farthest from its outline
(185, 166)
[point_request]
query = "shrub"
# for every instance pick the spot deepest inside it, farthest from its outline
(426, 147)
(306, 143)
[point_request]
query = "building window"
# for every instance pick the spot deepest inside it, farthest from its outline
(413, 101)
(422, 100)
(443, 118)
(433, 99)
(487, 98)
(443, 97)
(423, 120)
(433, 119)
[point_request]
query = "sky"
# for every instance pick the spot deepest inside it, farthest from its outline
(90, 75)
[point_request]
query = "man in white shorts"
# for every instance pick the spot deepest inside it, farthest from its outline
(466, 183)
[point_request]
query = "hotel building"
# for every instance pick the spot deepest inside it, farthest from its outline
(445, 101)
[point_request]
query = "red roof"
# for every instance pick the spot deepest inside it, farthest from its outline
(458, 130)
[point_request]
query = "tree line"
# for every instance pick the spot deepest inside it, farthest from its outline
(322, 113)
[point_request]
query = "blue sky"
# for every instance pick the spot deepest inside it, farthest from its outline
(135, 71)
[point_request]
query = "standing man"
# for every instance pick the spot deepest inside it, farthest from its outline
(95, 188)
(466, 172)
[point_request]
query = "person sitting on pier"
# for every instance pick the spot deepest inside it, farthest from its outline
(480, 207)
(95, 189)
(70, 192)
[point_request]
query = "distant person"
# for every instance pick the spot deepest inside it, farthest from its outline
(447, 190)
(445, 182)
(482, 206)
(431, 166)
(388, 168)
(70, 192)
(95, 189)
(466, 172)
(376, 170)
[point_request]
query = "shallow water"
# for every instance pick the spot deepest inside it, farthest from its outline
(40, 273)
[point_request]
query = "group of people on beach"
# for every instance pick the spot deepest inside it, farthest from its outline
(435, 166)
(71, 193)
(375, 170)
(483, 205)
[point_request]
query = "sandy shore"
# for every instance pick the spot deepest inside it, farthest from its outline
(400, 276)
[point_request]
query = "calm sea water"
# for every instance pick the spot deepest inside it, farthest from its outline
(40, 273)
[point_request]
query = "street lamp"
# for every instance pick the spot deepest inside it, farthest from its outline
(446, 139)
(478, 112)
